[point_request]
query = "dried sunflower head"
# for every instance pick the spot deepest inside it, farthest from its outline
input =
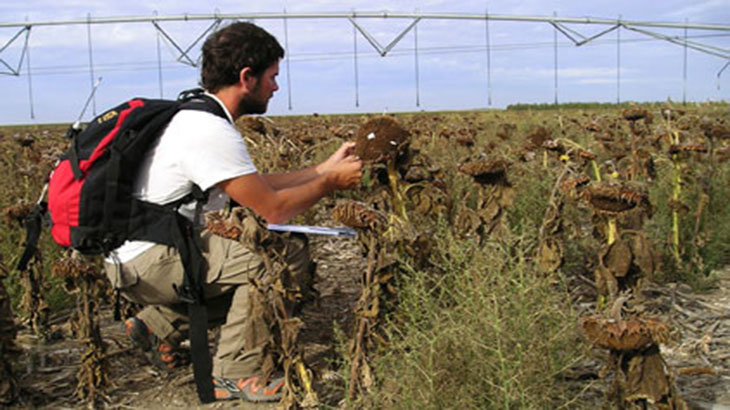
(16, 213)
(717, 130)
(505, 130)
(345, 131)
(486, 171)
(219, 223)
(671, 114)
(418, 173)
(586, 155)
(688, 122)
(304, 136)
(572, 185)
(605, 137)
(681, 148)
(635, 113)
(25, 140)
(633, 334)
(380, 140)
(73, 267)
(465, 140)
(593, 126)
(358, 215)
(537, 137)
(553, 145)
(255, 124)
(616, 199)
(722, 154)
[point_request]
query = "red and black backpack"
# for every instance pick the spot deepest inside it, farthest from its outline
(92, 209)
(90, 190)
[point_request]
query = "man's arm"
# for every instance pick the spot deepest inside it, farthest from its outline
(281, 180)
(302, 176)
(280, 205)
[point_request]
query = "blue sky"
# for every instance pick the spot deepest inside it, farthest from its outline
(452, 58)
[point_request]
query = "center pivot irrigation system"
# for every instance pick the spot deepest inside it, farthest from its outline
(563, 25)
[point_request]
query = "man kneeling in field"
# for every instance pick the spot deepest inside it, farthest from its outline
(239, 69)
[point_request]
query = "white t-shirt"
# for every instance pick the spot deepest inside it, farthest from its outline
(196, 147)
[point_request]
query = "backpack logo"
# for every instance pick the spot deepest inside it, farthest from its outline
(108, 116)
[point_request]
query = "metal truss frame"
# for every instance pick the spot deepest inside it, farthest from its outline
(560, 24)
(184, 57)
(11, 70)
(376, 45)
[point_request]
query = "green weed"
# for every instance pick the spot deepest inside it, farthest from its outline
(483, 329)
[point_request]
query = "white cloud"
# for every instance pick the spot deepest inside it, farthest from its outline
(585, 75)
(601, 81)
(708, 9)
(596, 72)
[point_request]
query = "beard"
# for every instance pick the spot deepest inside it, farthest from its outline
(250, 104)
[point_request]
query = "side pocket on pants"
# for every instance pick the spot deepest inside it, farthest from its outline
(120, 277)
(149, 278)
(156, 280)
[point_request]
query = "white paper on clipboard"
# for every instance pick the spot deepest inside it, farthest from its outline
(316, 230)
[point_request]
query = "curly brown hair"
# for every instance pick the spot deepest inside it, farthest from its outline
(227, 51)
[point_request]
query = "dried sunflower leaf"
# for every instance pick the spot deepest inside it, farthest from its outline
(617, 258)
(550, 255)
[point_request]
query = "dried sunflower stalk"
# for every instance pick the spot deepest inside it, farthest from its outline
(34, 284)
(369, 223)
(84, 279)
(274, 296)
(8, 383)
(494, 190)
(641, 374)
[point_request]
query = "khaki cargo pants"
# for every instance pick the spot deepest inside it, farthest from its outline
(148, 280)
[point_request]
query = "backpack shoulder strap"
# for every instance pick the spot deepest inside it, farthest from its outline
(188, 243)
(198, 100)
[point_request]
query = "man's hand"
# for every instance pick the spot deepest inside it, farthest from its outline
(343, 152)
(346, 172)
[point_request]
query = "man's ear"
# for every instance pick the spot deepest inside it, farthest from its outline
(246, 77)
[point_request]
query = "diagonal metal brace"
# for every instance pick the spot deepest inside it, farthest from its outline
(376, 45)
(16, 70)
(601, 34)
(567, 33)
(184, 57)
(705, 48)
